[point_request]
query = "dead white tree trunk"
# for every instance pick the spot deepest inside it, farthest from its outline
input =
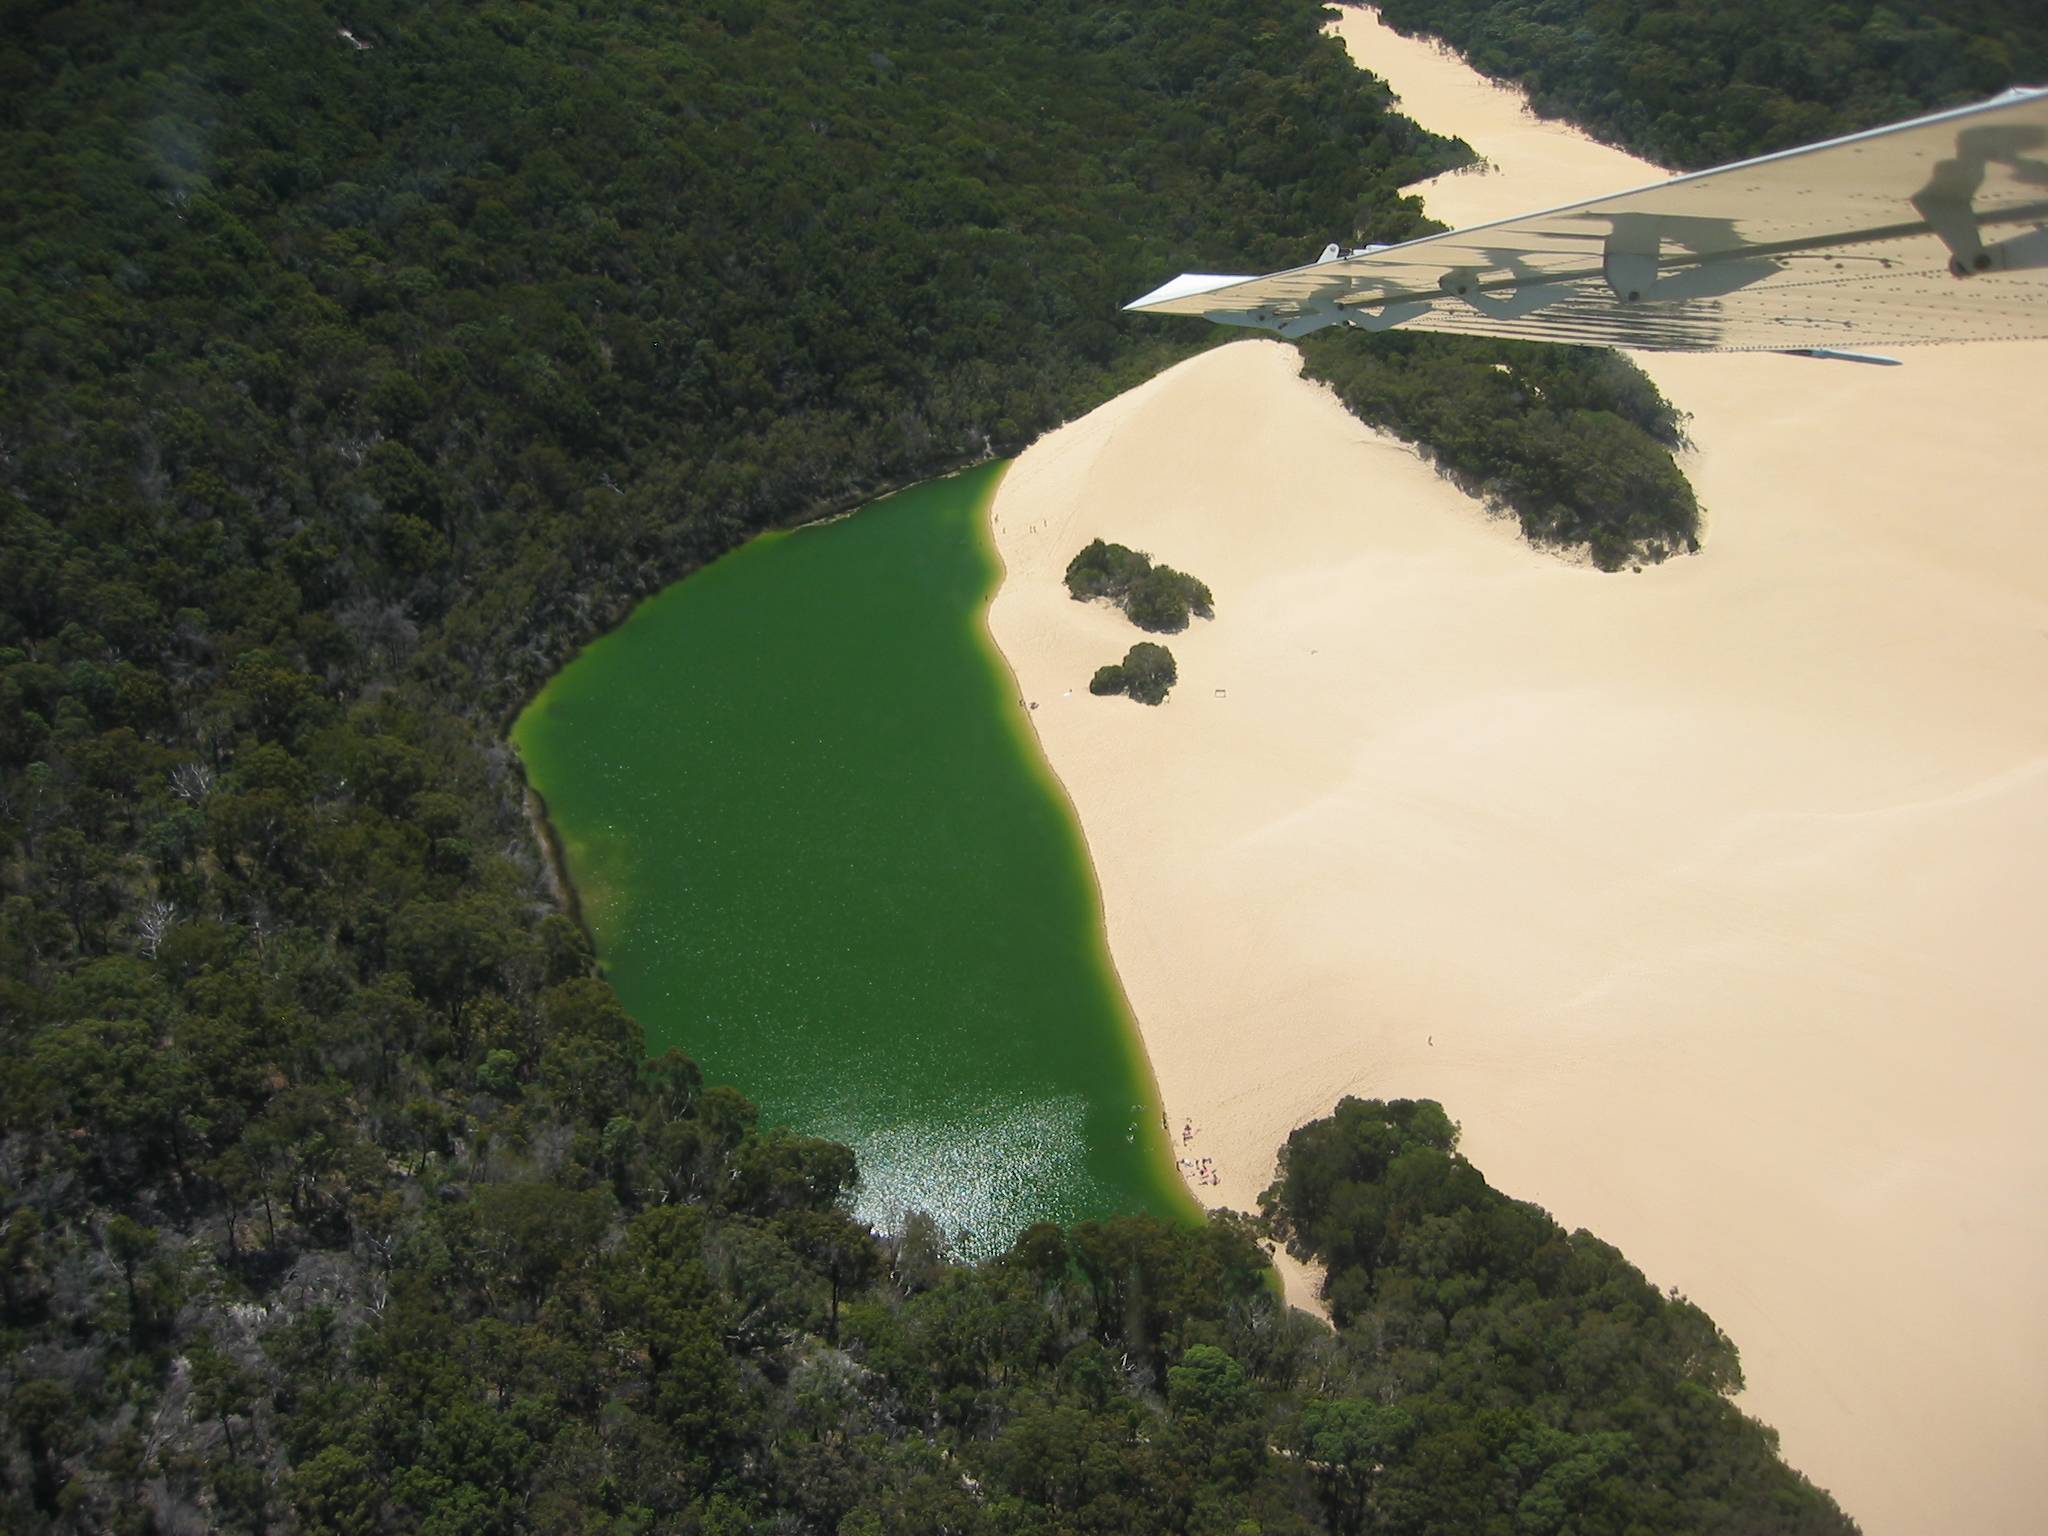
(157, 920)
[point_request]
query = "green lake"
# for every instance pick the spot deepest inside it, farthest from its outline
(819, 852)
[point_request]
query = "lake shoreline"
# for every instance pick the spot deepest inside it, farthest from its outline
(1033, 751)
(554, 863)
(630, 738)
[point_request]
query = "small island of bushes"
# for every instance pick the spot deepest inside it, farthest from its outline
(1146, 673)
(1156, 597)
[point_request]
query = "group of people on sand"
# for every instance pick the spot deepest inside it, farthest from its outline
(1201, 1168)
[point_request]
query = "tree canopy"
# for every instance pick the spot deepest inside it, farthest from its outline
(1154, 597)
(1146, 673)
(1517, 1372)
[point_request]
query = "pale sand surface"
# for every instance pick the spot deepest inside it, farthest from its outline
(1718, 888)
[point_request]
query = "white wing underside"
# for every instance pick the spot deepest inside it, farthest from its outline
(1932, 230)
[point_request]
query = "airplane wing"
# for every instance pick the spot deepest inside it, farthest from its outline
(1931, 230)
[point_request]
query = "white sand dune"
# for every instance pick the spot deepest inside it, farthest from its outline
(1708, 899)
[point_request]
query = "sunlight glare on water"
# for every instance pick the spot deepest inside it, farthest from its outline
(983, 1175)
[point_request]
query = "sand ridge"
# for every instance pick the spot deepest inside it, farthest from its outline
(1705, 898)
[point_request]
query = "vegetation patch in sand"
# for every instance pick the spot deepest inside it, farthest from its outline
(1145, 674)
(1154, 597)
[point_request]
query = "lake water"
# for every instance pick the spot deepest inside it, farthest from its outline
(820, 853)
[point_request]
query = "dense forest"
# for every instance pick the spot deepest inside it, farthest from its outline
(1693, 83)
(359, 365)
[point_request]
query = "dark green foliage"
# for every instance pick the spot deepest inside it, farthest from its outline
(1691, 83)
(1516, 1370)
(1156, 597)
(1146, 674)
(1575, 442)
(1105, 570)
(1163, 599)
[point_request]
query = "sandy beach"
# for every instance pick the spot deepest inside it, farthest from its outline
(1707, 899)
